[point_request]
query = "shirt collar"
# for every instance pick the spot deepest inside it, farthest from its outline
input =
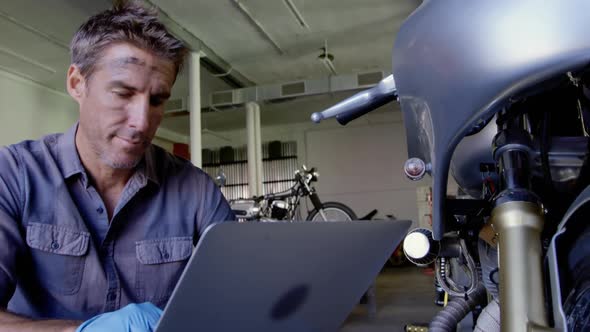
(148, 165)
(67, 154)
(70, 164)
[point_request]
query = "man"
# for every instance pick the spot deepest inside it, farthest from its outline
(98, 218)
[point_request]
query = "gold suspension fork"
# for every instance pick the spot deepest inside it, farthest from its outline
(518, 219)
(522, 298)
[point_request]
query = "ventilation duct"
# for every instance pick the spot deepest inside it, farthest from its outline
(273, 92)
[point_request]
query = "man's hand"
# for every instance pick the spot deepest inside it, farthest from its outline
(134, 317)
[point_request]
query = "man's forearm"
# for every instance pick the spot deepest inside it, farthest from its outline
(10, 322)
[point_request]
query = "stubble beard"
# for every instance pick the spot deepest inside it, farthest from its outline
(110, 159)
(116, 164)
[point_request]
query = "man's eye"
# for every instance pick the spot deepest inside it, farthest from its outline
(122, 94)
(154, 101)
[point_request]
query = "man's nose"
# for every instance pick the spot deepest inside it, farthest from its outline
(138, 118)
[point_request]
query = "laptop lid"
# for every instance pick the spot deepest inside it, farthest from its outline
(280, 276)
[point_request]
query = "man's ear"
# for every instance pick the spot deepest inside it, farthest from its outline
(75, 82)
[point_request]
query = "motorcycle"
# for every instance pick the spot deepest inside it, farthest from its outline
(497, 93)
(285, 205)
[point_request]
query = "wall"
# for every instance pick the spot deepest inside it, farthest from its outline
(29, 110)
(164, 143)
(362, 167)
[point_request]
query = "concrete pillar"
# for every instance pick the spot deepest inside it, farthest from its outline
(194, 106)
(259, 166)
(254, 148)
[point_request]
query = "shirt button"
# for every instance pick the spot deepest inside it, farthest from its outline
(54, 245)
(111, 296)
(166, 255)
(100, 210)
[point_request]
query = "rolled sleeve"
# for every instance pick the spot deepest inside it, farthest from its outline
(11, 240)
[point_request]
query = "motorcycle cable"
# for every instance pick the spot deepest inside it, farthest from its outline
(448, 285)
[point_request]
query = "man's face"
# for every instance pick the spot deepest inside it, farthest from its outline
(122, 104)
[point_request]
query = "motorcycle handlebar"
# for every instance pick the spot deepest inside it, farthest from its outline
(361, 103)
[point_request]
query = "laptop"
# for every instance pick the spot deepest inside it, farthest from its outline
(279, 276)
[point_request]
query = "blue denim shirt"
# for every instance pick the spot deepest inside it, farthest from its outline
(61, 257)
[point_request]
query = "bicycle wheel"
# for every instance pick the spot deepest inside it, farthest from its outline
(333, 211)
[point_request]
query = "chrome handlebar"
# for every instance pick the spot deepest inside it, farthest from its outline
(361, 103)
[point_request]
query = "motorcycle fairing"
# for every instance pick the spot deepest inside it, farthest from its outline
(457, 63)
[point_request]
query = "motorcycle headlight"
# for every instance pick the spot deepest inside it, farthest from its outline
(315, 176)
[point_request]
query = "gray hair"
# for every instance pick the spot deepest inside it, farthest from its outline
(128, 22)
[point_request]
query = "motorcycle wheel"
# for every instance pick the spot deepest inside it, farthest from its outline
(577, 303)
(334, 211)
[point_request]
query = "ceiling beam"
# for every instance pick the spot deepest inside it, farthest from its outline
(296, 14)
(172, 136)
(246, 12)
(35, 31)
(211, 60)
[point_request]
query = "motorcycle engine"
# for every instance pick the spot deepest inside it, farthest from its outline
(557, 117)
(279, 210)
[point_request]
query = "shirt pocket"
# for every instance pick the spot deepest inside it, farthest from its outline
(160, 263)
(58, 255)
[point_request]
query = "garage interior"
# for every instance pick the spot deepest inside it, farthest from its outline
(248, 44)
(241, 110)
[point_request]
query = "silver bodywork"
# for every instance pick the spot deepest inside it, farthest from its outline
(456, 63)
(553, 263)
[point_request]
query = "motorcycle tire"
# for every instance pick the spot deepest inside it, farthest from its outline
(334, 211)
(577, 303)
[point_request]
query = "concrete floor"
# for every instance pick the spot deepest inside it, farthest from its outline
(404, 295)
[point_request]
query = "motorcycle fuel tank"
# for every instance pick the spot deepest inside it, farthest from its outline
(245, 209)
(456, 63)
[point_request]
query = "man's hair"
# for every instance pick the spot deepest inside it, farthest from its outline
(127, 22)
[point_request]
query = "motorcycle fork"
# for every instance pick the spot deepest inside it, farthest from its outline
(317, 204)
(522, 297)
(517, 217)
